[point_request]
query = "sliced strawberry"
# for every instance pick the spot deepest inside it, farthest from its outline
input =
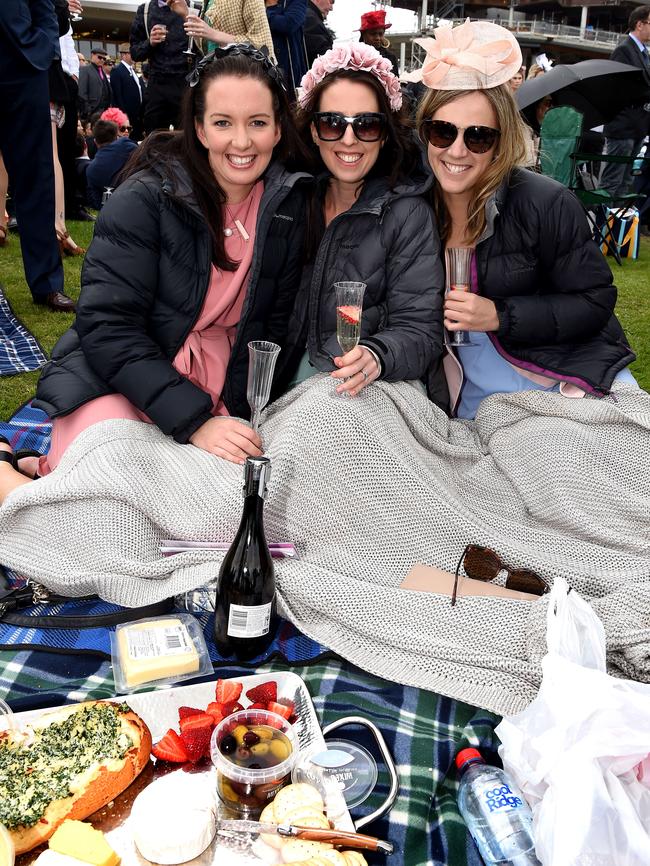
(189, 711)
(264, 693)
(170, 748)
(228, 690)
(287, 702)
(257, 706)
(279, 709)
(201, 720)
(349, 314)
(195, 734)
(231, 707)
(216, 711)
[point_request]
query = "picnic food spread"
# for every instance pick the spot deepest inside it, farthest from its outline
(67, 765)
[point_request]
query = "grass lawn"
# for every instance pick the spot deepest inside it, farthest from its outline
(633, 309)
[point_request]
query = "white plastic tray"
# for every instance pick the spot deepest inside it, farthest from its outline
(159, 709)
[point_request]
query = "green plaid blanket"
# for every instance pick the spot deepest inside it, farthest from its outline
(423, 731)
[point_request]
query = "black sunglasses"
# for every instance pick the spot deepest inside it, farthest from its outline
(331, 125)
(126, 128)
(483, 563)
(478, 139)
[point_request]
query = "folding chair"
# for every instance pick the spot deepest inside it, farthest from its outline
(560, 159)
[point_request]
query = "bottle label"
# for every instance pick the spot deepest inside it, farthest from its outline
(149, 643)
(501, 799)
(245, 621)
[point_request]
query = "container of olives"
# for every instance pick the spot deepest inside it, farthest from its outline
(253, 752)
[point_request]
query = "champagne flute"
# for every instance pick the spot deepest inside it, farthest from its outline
(349, 304)
(459, 262)
(191, 10)
(262, 357)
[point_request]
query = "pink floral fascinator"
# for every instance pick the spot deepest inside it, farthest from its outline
(476, 55)
(354, 55)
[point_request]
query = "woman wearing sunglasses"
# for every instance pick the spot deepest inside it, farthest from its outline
(371, 224)
(541, 299)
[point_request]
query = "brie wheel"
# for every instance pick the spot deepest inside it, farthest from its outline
(175, 818)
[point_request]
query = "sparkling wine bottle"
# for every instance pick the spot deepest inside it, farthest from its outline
(244, 616)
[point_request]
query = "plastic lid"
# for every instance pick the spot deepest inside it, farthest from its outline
(6, 717)
(350, 766)
(466, 755)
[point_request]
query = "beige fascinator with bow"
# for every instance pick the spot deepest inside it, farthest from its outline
(475, 55)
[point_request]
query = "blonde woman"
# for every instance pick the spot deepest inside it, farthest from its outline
(228, 21)
(541, 300)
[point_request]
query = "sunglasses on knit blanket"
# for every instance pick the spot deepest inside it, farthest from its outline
(482, 563)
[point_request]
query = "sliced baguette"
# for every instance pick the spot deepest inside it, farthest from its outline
(92, 788)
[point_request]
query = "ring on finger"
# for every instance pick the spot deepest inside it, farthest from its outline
(365, 376)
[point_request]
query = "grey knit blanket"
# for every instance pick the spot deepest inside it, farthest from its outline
(366, 487)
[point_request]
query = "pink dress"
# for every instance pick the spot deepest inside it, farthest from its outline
(203, 358)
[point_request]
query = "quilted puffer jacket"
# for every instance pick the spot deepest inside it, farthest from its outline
(144, 282)
(551, 285)
(389, 241)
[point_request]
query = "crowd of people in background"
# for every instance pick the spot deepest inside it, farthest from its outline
(100, 107)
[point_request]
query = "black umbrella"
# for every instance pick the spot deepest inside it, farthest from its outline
(599, 89)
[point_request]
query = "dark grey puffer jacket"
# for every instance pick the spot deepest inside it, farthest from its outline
(389, 241)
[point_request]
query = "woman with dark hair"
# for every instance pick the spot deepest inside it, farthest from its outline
(373, 223)
(540, 307)
(195, 254)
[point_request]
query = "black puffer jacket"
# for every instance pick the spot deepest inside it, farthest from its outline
(389, 241)
(551, 285)
(144, 281)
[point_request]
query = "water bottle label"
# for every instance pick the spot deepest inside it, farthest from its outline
(501, 799)
(245, 621)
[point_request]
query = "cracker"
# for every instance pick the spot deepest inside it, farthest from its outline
(354, 858)
(333, 858)
(307, 818)
(296, 850)
(298, 796)
(268, 817)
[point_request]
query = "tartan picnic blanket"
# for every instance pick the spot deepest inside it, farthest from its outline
(20, 351)
(29, 428)
(423, 731)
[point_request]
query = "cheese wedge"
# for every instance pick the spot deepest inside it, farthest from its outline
(83, 842)
(155, 650)
(53, 858)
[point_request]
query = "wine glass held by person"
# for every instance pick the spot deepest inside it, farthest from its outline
(374, 225)
(541, 299)
(225, 22)
(197, 253)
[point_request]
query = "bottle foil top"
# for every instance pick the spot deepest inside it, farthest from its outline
(257, 471)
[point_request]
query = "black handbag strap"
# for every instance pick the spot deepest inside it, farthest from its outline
(14, 600)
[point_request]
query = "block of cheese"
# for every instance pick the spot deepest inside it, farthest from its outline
(155, 649)
(53, 858)
(6, 848)
(83, 842)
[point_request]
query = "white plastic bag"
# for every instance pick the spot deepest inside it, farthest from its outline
(580, 750)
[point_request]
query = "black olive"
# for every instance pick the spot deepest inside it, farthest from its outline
(228, 745)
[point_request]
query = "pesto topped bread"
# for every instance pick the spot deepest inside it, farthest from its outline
(67, 764)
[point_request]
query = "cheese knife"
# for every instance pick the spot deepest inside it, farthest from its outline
(338, 838)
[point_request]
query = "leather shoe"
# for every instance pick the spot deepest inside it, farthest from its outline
(56, 301)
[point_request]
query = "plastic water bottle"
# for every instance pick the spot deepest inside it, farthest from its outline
(495, 812)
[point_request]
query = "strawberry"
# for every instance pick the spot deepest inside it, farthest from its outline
(216, 711)
(349, 314)
(188, 711)
(170, 748)
(287, 702)
(257, 706)
(264, 693)
(195, 734)
(280, 709)
(228, 690)
(230, 708)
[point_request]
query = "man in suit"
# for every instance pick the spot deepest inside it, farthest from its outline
(127, 91)
(29, 41)
(318, 37)
(624, 134)
(158, 36)
(94, 86)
